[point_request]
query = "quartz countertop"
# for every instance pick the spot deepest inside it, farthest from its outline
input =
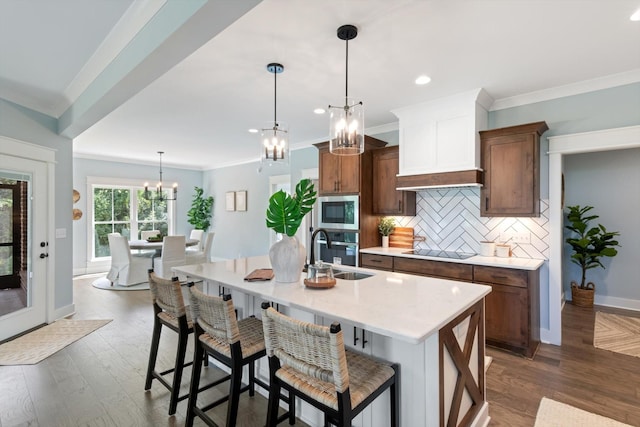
(397, 305)
(489, 261)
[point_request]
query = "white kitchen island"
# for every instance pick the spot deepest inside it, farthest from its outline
(433, 327)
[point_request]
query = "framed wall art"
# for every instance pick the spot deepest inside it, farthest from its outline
(241, 201)
(230, 201)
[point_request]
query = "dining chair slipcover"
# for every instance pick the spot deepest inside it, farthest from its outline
(173, 255)
(126, 270)
(200, 257)
(196, 235)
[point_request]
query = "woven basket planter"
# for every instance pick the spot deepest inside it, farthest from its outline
(583, 297)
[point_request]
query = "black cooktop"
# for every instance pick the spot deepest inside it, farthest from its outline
(436, 253)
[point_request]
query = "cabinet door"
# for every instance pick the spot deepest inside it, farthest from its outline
(379, 262)
(349, 180)
(507, 316)
(510, 174)
(329, 166)
(386, 199)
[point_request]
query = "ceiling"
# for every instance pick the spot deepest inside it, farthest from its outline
(129, 78)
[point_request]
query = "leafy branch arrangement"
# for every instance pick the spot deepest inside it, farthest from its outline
(200, 213)
(285, 212)
(591, 244)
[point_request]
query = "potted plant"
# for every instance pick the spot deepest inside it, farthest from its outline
(589, 245)
(284, 215)
(385, 227)
(200, 213)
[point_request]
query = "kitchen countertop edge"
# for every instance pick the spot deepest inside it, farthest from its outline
(511, 262)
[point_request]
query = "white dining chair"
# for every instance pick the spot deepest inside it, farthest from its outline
(173, 255)
(196, 235)
(200, 257)
(126, 270)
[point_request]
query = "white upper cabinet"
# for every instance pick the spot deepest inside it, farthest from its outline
(442, 135)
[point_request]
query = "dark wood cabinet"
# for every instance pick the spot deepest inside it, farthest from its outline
(511, 164)
(386, 199)
(379, 262)
(512, 319)
(512, 309)
(345, 174)
(425, 267)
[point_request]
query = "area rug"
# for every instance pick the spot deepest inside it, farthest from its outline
(104, 283)
(556, 414)
(617, 333)
(35, 346)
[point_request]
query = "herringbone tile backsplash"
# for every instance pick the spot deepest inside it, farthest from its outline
(450, 220)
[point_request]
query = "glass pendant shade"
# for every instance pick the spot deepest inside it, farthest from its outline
(274, 138)
(346, 123)
(346, 129)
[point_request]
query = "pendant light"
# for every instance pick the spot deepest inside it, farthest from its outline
(346, 124)
(159, 193)
(274, 137)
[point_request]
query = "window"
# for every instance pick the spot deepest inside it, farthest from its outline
(123, 209)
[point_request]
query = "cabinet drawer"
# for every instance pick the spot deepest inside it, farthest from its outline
(447, 270)
(381, 262)
(502, 276)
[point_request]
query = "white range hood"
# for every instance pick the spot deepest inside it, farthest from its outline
(439, 141)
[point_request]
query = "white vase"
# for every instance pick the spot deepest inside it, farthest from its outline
(287, 259)
(385, 241)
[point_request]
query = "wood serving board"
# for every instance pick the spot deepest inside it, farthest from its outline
(402, 237)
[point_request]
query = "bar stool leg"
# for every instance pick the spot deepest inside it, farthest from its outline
(153, 352)
(234, 398)
(177, 374)
(195, 382)
(252, 379)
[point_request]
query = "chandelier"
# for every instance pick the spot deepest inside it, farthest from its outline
(159, 193)
(346, 123)
(274, 136)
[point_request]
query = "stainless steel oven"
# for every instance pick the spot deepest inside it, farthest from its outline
(338, 212)
(344, 246)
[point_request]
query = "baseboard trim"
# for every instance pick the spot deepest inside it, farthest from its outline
(65, 311)
(626, 303)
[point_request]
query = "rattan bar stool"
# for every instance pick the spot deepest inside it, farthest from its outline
(310, 361)
(233, 343)
(170, 311)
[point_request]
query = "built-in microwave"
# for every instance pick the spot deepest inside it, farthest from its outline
(338, 212)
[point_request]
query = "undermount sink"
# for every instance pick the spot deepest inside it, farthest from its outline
(350, 275)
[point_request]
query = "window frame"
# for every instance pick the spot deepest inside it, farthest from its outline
(133, 186)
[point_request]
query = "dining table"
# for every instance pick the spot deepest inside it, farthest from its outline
(144, 245)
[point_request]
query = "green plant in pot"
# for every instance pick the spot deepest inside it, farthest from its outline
(386, 225)
(589, 245)
(200, 213)
(284, 215)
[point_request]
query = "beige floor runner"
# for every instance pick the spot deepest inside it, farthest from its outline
(617, 333)
(35, 346)
(556, 414)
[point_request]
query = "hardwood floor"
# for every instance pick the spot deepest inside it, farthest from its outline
(99, 380)
(576, 373)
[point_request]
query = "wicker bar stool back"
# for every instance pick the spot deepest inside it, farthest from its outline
(233, 343)
(170, 311)
(310, 361)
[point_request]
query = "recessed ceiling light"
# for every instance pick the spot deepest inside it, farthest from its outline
(423, 80)
(635, 16)
(319, 111)
(253, 130)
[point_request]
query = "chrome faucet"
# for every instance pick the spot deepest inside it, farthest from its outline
(312, 258)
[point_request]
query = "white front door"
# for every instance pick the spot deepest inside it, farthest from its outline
(28, 230)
